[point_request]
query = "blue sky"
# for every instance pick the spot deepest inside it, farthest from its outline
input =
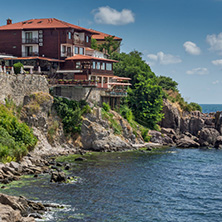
(178, 38)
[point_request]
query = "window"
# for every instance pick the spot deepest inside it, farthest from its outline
(78, 65)
(103, 66)
(14, 47)
(87, 38)
(76, 50)
(70, 35)
(81, 51)
(109, 66)
(98, 65)
(94, 65)
(63, 49)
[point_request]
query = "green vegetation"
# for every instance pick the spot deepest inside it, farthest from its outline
(16, 139)
(117, 129)
(17, 67)
(109, 46)
(167, 83)
(145, 95)
(71, 112)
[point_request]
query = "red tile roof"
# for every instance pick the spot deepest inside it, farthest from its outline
(101, 36)
(85, 57)
(45, 23)
(35, 57)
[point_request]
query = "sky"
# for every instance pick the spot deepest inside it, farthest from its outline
(181, 39)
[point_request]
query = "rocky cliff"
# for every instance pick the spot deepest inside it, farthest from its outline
(192, 129)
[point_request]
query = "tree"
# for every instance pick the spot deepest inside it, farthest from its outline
(167, 83)
(144, 96)
(109, 46)
(146, 102)
(94, 44)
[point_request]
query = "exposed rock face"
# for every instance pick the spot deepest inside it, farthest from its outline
(208, 136)
(96, 137)
(218, 121)
(171, 116)
(195, 124)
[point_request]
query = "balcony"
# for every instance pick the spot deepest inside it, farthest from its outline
(30, 41)
(78, 41)
(27, 54)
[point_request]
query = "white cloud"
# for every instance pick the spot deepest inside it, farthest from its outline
(198, 71)
(191, 48)
(217, 62)
(110, 16)
(164, 59)
(216, 82)
(215, 42)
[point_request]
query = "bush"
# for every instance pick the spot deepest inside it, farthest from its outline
(16, 139)
(126, 113)
(71, 112)
(17, 67)
(106, 107)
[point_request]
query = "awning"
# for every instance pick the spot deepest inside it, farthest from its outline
(119, 83)
(35, 58)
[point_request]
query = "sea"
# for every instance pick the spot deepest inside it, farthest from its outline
(169, 185)
(208, 108)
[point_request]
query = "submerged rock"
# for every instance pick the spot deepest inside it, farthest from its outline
(58, 177)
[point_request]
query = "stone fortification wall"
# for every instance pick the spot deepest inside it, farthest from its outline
(18, 86)
(78, 93)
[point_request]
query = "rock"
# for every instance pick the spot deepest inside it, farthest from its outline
(195, 125)
(80, 159)
(218, 143)
(187, 142)
(58, 177)
(21, 205)
(97, 138)
(67, 167)
(169, 132)
(158, 137)
(171, 116)
(14, 165)
(208, 135)
(218, 121)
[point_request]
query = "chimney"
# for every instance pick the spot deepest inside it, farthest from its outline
(9, 21)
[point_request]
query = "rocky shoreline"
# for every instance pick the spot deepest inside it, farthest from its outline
(184, 130)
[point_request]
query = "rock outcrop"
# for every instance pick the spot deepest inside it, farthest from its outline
(19, 209)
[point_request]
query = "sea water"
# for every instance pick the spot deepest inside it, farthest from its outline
(208, 108)
(183, 185)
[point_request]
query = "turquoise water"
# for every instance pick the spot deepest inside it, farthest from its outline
(183, 185)
(208, 108)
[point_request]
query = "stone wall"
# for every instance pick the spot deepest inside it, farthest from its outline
(18, 86)
(78, 93)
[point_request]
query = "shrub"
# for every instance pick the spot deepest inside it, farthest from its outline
(106, 107)
(16, 139)
(17, 67)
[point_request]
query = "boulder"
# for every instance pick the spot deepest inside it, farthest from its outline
(208, 136)
(171, 116)
(218, 143)
(218, 122)
(58, 177)
(195, 125)
(158, 137)
(187, 142)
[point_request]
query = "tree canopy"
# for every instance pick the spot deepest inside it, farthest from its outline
(144, 96)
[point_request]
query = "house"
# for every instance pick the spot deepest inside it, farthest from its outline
(58, 49)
